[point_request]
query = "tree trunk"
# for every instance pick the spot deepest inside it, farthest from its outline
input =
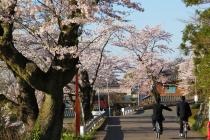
(28, 104)
(155, 92)
(86, 91)
(49, 123)
(50, 120)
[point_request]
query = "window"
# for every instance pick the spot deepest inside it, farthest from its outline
(171, 89)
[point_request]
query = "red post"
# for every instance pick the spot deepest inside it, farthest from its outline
(208, 130)
(208, 124)
(77, 107)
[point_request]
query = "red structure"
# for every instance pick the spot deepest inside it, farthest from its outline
(208, 130)
(103, 104)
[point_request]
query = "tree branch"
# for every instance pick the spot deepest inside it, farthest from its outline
(100, 59)
(4, 100)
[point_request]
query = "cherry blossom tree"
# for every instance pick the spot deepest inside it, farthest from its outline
(102, 65)
(54, 25)
(146, 46)
(186, 75)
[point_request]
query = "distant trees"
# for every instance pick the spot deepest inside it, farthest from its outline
(195, 2)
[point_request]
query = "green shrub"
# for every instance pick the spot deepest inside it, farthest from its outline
(198, 124)
(70, 136)
(195, 106)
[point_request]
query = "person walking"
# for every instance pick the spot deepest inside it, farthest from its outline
(183, 112)
(158, 115)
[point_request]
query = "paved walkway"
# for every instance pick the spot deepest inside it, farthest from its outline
(139, 127)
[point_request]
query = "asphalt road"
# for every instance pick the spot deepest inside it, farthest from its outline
(139, 127)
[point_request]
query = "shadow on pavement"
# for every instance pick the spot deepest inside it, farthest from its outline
(113, 129)
(139, 111)
(190, 138)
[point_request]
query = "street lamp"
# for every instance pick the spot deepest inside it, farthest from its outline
(107, 85)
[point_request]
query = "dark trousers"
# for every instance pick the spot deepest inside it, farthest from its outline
(160, 123)
(181, 124)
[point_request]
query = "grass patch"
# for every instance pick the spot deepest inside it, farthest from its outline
(192, 120)
(203, 129)
(70, 136)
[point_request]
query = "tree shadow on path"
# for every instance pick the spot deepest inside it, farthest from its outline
(190, 138)
(113, 129)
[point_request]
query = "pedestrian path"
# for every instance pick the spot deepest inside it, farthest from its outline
(139, 127)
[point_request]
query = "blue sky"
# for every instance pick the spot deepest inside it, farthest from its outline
(172, 15)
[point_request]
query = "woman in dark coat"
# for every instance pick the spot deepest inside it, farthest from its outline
(158, 115)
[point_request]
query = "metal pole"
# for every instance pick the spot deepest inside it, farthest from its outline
(195, 86)
(77, 107)
(99, 106)
(108, 96)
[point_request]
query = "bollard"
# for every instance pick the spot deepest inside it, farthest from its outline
(208, 125)
(82, 131)
(123, 111)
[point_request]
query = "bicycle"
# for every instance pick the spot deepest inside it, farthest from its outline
(157, 130)
(185, 129)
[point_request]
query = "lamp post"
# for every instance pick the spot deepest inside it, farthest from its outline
(107, 85)
(99, 106)
(138, 96)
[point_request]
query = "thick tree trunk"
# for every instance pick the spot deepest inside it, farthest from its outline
(28, 104)
(48, 125)
(50, 120)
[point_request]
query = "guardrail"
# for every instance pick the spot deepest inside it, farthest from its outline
(92, 124)
(89, 126)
